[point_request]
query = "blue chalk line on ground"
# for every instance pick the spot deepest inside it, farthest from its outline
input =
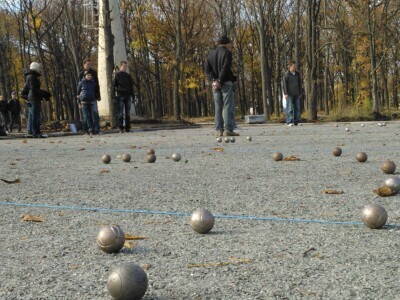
(180, 214)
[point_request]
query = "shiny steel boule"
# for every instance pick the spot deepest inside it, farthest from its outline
(126, 157)
(393, 182)
(347, 129)
(277, 156)
(233, 140)
(106, 158)
(227, 140)
(110, 239)
(151, 158)
(249, 138)
(176, 157)
(337, 151)
(151, 151)
(362, 157)
(202, 221)
(127, 281)
(219, 140)
(388, 167)
(374, 216)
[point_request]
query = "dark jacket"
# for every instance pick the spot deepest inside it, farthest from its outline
(219, 65)
(14, 106)
(123, 84)
(3, 106)
(32, 91)
(95, 78)
(87, 90)
(292, 84)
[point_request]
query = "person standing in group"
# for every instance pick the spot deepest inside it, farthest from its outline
(123, 93)
(292, 91)
(87, 100)
(87, 67)
(4, 112)
(34, 95)
(219, 72)
(15, 110)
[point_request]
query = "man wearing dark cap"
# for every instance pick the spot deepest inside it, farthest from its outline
(219, 72)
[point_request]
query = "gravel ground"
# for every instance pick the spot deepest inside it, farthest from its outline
(58, 258)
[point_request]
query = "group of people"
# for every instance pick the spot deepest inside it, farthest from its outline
(10, 114)
(218, 68)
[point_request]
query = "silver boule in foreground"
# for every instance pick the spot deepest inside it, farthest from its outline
(151, 158)
(347, 129)
(227, 140)
(151, 151)
(374, 216)
(249, 138)
(176, 157)
(126, 157)
(106, 158)
(393, 182)
(362, 157)
(127, 282)
(337, 151)
(363, 125)
(110, 239)
(219, 140)
(233, 140)
(202, 221)
(277, 156)
(388, 167)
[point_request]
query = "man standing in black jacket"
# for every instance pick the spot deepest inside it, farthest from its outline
(123, 91)
(15, 110)
(219, 72)
(87, 67)
(292, 91)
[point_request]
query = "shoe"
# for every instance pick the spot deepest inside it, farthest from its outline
(290, 125)
(295, 124)
(219, 133)
(231, 133)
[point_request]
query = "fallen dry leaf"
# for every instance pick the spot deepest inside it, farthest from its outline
(333, 192)
(218, 149)
(232, 261)
(82, 149)
(11, 181)
(385, 191)
(129, 245)
(129, 237)
(291, 158)
(307, 253)
(104, 171)
(133, 147)
(13, 164)
(30, 218)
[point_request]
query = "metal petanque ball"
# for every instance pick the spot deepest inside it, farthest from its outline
(151, 158)
(227, 140)
(233, 140)
(151, 151)
(219, 140)
(126, 157)
(393, 182)
(202, 221)
(127, 282)
(249, 138)
(110, 239)
(362, 157)
(176, 157)
(106, 158)
(362, 125)
(374, 216)
(388, 167)
(277, 156)
(347, 129)
(337, 151)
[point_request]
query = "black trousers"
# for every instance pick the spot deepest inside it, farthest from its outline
(15, 120)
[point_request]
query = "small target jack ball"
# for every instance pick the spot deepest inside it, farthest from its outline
(249, 138)
(176, 157)
(393, 182)
(362, 157)
(388, 167)
(374, 216)
(151, 152)
(219, 140)
(127, 281)
(337, 151)
(126, 157)
(277, 156)
(106, 158)
(110, 239)
(151, 158)
(227, 140)
(233, 140)
(202, 221)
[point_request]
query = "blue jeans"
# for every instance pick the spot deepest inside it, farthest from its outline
(96, 118)
(124, 111)
(34, 109)
(293, 109)
(224, 107)
(88, 109)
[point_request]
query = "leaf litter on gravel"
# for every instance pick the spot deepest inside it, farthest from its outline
(31, 218)
(385, 191)
(292, 158)
(232, 261)
(129, 237)
(11, 181)
(333, 192)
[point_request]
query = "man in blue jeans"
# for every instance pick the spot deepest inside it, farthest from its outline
(292, 91)
(219, 71)
(123, 91)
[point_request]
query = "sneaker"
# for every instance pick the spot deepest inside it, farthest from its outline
(231, 133)
(290, 124)
(219, 133)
